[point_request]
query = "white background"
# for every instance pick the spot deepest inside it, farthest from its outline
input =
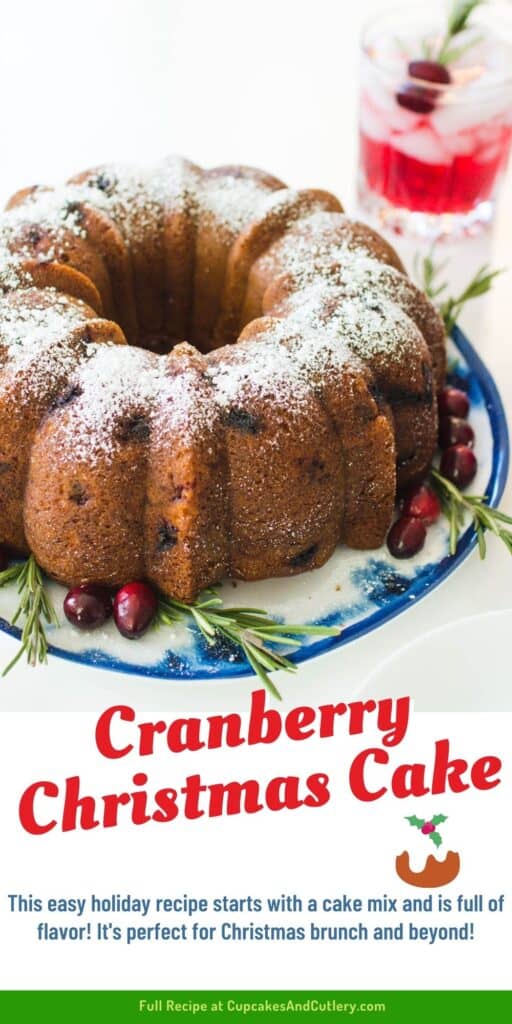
(274, 84)
(345, 847)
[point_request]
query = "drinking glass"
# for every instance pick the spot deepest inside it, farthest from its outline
(432, 152)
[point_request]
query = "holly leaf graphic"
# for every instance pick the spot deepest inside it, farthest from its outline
(414, 821)
(436, 838)
(438, 819)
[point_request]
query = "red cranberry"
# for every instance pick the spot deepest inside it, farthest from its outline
(428, 827)
(88, 606)
(406, 537)
(416, 98)
(453, 402)
(429, 71)
(422, 502)
(135, 607)
(458, 464)
(4, 557)
(453, 430)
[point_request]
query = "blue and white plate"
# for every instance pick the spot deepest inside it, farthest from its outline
(356, 589)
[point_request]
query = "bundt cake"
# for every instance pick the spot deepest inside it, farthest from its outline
(204, 374)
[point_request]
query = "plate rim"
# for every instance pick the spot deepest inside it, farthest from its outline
(436, 631)
(93, 658)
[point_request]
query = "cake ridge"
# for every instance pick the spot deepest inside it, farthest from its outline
(254, 458)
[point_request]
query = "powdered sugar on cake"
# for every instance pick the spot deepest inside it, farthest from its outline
(56, 212)
(232, 202)
(34, 337)
(311, 344)
(120, 387)
(112, 383)
(341, 308)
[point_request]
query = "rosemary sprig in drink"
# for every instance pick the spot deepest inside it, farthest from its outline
(458, 19)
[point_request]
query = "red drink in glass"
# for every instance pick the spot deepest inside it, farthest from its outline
(431, 153)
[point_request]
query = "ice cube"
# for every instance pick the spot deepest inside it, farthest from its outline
(392, 51)
(475, 50)
(372, 123)
(490, 132)
(451, 118)
(382, 97)
(422, 144)
(460, 144)
(490, 153)
(472, 105)
(402, 120)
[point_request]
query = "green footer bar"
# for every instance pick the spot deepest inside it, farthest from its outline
(409, 1007)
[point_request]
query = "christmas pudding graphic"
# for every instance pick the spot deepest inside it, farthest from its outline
(436, 872)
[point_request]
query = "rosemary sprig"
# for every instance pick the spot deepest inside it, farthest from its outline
(427, 273)
(460, 14)
(251, 629)
(458, 18)
(35, 608)
(481, 283)
(456, 506)
(450, 309)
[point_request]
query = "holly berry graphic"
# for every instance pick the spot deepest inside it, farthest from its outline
(428, 828)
